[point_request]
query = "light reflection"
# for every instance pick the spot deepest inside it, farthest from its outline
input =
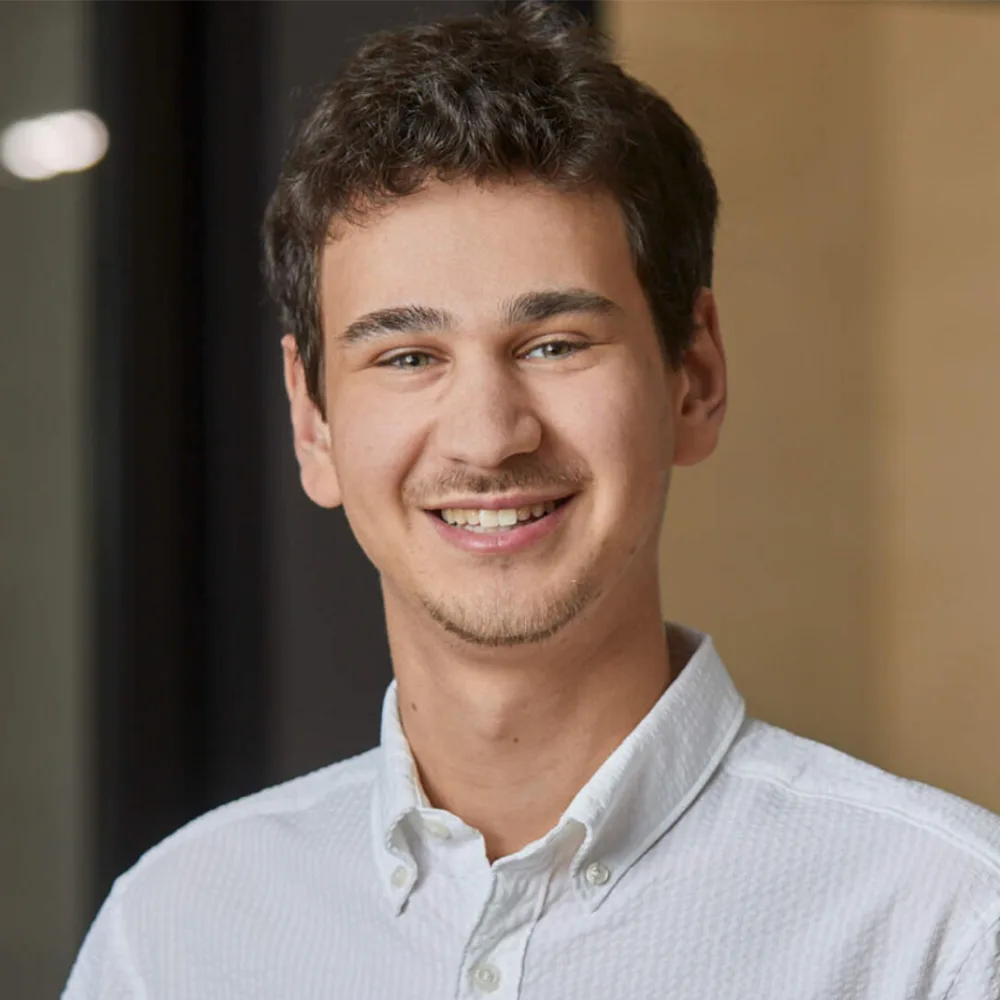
(36, 149)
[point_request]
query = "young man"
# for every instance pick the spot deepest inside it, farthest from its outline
(493, 251)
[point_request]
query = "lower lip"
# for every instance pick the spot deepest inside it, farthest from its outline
(513, 539)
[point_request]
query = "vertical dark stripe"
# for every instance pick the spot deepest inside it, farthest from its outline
(235, 193)
(180, 621)
(148, 656)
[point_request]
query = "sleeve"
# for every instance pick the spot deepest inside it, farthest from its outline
(104, 969)
(978, 977)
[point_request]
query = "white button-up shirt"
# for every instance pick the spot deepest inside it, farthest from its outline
(711, 857)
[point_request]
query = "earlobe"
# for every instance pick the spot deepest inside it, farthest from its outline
(310, 433)
(700, 400)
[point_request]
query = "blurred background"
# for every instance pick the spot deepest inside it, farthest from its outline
(179, 627)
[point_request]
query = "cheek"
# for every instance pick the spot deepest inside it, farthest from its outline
(620, 423)
(624, 435)
(372, 445)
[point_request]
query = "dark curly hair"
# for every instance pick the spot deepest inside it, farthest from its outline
(527, 92)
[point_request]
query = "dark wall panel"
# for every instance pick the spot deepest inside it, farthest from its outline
(148, 419)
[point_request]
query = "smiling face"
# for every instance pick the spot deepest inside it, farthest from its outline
(490, 358)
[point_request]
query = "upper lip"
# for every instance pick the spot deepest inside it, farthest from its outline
(511, 502)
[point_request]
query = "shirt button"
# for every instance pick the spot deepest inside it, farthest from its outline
(597, 873)
(437, 829)
(486, 977)
(400, 877)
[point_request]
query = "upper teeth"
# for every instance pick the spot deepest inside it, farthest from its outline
(497, 518)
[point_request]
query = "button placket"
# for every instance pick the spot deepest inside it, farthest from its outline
(497, 947)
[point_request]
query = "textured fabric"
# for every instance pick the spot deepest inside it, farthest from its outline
(711, 856)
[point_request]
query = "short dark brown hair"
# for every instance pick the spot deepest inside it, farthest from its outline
(523, 92)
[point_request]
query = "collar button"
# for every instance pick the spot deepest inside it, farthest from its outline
(400, 877)
(486, 977)
(597, 873)
(437, 829)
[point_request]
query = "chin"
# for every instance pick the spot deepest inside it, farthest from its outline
(500, 624)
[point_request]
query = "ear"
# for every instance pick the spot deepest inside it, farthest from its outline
(700, 387)
(310, 432)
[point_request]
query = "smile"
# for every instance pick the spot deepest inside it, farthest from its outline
(505, 519)
(504, 530)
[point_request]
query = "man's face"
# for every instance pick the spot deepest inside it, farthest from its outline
(490, 356)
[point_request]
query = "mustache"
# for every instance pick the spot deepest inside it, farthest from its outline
(524, 476)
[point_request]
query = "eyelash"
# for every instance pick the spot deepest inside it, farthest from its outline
(393, 360)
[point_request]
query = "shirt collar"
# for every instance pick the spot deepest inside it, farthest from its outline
(636, 795)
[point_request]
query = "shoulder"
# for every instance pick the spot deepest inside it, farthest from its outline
(298, 819)
(910, 868)
(231, 879)
(805, 769)
(871, 814)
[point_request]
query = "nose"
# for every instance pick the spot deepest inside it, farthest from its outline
(486, 416)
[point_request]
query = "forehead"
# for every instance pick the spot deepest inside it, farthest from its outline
(468, 248)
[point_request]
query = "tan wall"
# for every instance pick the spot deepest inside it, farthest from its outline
(844, 546)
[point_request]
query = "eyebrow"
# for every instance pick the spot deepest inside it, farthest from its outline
(523, 310)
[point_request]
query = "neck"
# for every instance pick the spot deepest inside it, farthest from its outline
(505, 740)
